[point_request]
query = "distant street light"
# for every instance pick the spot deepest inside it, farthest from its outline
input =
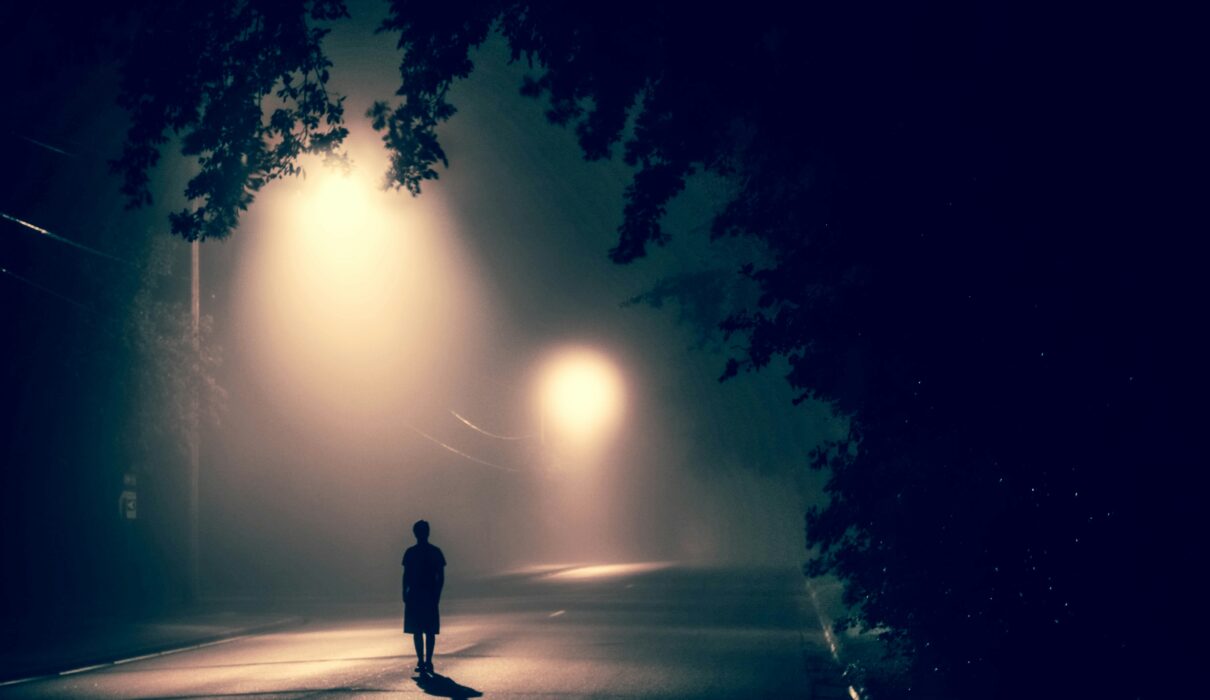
(580, 396)
(579, 399)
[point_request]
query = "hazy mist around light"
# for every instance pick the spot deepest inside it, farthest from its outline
(385, 360)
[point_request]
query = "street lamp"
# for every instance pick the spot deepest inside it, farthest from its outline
(195, 428)
(345, 294)
(580, 399)
(580, 396)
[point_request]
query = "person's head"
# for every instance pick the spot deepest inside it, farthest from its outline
(421, 530)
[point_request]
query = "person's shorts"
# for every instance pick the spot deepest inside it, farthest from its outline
(421, 616)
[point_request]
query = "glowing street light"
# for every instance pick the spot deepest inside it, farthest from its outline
(580, 398)
(581, 395)
(353, 298)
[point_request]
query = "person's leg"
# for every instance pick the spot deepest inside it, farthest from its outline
(431, 641)
(418, 640)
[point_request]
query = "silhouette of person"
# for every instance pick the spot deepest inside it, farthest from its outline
(423, 578)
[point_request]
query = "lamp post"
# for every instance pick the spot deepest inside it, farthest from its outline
(195, 439)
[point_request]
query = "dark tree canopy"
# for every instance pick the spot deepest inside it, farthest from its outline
(953, 265)
(243, 84)
(957, 204)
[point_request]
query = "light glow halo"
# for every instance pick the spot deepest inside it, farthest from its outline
(581, 395)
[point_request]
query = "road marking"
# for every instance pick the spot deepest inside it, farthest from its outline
(174, 651)
(94, 667)
(22, 680)
(138, 658)
(82, 669)
(556, 613)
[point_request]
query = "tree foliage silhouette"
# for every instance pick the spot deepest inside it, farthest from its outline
(243, 84)
(930, 183)
(944, 226)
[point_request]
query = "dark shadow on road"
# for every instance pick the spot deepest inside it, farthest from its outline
(444, 687)
(293, 692)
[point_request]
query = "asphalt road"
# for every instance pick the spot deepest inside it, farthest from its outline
(670, 632)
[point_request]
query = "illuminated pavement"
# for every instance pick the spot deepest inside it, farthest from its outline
(597, 632)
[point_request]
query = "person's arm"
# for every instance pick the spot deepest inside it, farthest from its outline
(440, 580)
(406, 579)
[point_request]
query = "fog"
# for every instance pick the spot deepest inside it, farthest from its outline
(384, 359)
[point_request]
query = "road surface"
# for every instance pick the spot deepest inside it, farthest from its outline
(649, 631)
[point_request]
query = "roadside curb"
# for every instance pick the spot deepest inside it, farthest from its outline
(149, 651)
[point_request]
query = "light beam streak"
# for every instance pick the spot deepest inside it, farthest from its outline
(46, 290)
(103, 323)
(457, 451)
(828, 635)
(472, 426)
(43, 144)
(61, 239)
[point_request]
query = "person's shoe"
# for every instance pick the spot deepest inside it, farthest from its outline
(420, 667)
(428, 667)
